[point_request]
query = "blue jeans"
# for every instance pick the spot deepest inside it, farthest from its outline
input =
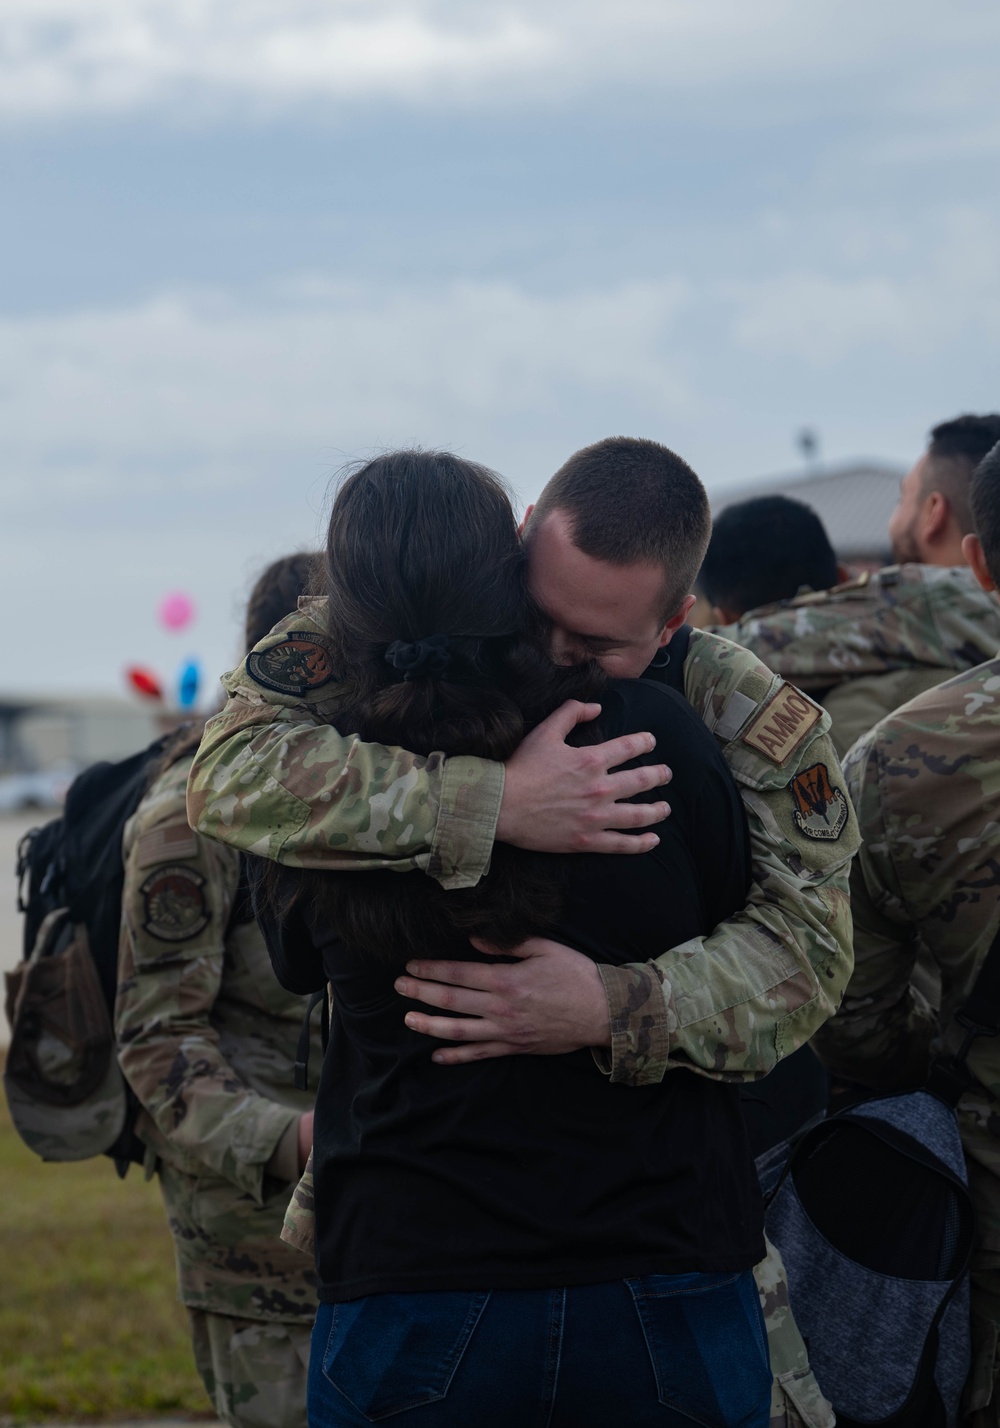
(662, 1350)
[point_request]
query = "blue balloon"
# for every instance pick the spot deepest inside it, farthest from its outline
(187, 688)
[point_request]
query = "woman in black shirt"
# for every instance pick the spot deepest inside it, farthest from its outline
(515, 1240)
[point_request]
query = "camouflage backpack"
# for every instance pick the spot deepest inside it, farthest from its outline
(66, 1093)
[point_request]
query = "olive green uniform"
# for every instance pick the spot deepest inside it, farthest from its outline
(207, 1039)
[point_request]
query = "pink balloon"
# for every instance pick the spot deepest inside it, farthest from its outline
(176, 610)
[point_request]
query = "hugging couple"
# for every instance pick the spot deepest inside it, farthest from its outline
(535, 1200)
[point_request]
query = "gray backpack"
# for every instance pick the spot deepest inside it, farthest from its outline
(871, 1211)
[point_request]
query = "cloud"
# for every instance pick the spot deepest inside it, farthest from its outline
(821, 317)
(203, 389)
(61, 57)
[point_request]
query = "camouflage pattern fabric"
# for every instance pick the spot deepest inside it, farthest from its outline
(867, 647)
(254, 1373)
(795, 1395)
(732, 1004)
(926, 784)
(207, 1038)
(299, 1228)
(274, 777)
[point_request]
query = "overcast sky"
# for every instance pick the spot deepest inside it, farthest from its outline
(247, 240)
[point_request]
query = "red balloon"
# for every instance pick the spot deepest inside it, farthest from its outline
(143, 682)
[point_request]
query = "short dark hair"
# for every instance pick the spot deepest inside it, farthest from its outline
(956, 449)
(631, 500)
(763, 550)
(276, 592)
(984, 498)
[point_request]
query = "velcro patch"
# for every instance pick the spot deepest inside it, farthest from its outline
(738, 709)
(173, 901)
(781, 725)
(820, 809)
(295, 666)
(163, 844)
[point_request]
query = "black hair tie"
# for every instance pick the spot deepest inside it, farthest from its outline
(424, 659)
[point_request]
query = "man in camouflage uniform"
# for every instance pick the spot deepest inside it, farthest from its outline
(926, 785)
(207, 1039)
(275, 776)
(864, 648)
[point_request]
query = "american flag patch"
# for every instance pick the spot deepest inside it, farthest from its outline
(166, 844)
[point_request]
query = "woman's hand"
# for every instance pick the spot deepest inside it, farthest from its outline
(550, 1002)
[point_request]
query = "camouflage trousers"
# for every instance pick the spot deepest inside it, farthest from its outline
(254, 1371)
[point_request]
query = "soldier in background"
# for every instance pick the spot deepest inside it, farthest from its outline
(764, 550)
(207, 1039)
(864, 648)
(926, 785)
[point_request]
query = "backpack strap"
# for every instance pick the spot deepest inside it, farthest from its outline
(316, 999)
(668, 666)
(979, 1015)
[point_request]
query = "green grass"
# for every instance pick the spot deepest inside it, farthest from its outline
(90, 1326)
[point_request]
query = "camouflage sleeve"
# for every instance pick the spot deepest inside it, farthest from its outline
(274, 777)
(176, 903)
(731, 1004)
(299, 1229)
(882, 1034)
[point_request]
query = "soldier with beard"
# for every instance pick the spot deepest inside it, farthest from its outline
(865, 647)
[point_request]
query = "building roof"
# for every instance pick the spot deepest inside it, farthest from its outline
(854, 502)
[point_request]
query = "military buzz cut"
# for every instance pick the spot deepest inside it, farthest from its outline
(630, 500)
(955, 451)
(984, 498)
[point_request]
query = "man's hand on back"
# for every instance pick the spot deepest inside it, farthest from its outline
(550, 1002)
(561, 799)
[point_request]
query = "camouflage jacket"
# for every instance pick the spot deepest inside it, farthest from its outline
(867, 647)
(926, 785)
(207, 1039)
(273, 776)
(926, 884)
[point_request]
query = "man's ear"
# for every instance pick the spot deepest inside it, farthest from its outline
(972, 549)
(525, 518)
(843, 574)
(674, 623)
(934, 516)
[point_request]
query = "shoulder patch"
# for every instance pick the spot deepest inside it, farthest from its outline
(161, 845)
(782, 724)
(173, 903)
(296, 665)
(820, 809)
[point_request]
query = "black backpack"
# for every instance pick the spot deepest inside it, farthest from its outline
(871, 1211)
(66, 1094)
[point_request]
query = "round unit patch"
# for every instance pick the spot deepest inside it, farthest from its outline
(173, 902)
(820, 809)
(295, 666)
